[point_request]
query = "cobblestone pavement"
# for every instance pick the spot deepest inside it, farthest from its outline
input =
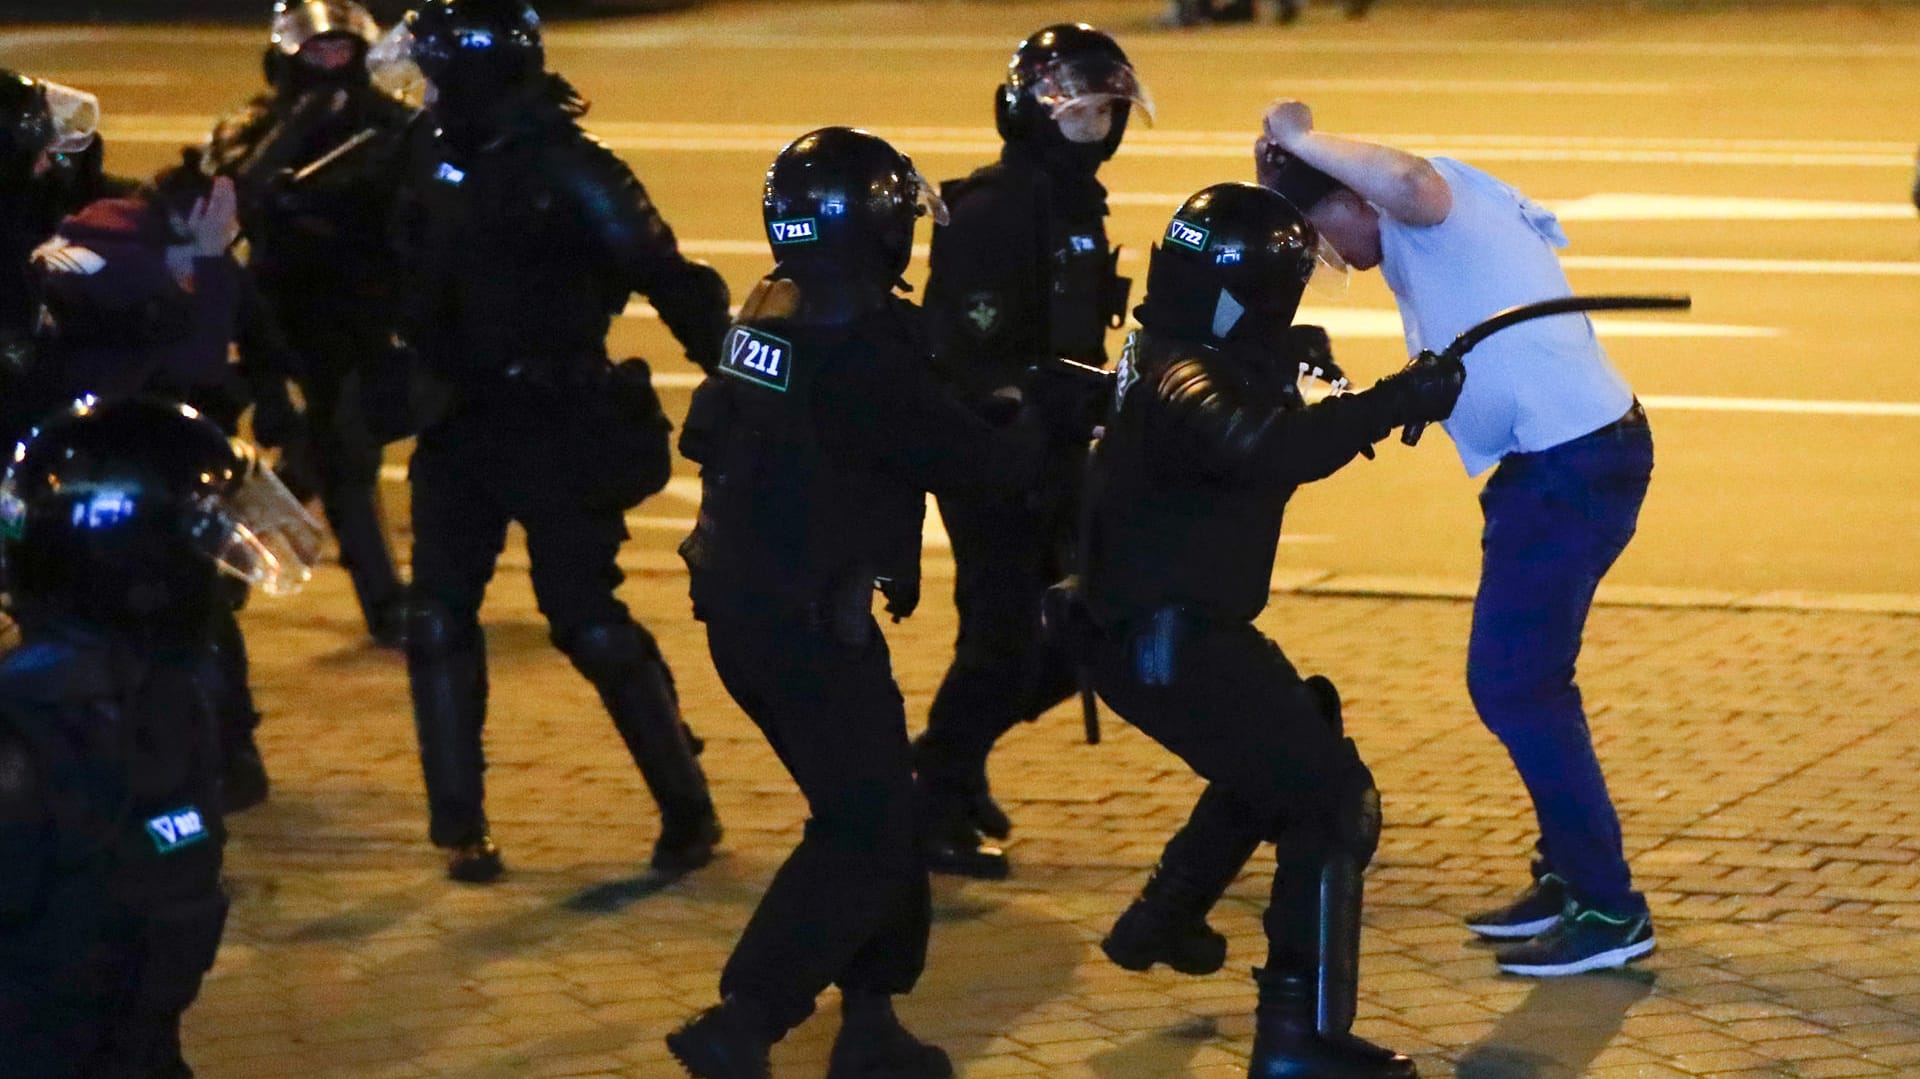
(1766, 764)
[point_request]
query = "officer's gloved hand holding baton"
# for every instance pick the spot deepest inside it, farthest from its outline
(1071, 398)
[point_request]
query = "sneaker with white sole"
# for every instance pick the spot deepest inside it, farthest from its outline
(1585, 939)
(1529, 916)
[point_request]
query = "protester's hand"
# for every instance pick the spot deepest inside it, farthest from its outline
(1287, 122)
(214, 222)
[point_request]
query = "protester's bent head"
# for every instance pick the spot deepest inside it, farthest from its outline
(122, 515)
(1069, 92)
(840, 204)
(1231, 267)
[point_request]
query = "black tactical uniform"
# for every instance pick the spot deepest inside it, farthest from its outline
(526, 236)
(1206, 444)
(1022, 274)
(111, 908)
(817, 438)
(323, 262)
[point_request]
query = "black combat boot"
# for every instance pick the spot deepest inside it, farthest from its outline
(727, 1041)
(1168, 923)
(872, 1044)
(1287, 1042)
(624, 665)
(447, 674)
(949, 840)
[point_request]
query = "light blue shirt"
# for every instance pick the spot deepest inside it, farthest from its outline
(1531, 387)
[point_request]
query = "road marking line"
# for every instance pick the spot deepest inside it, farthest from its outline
(1627, 206)
(1497, 87)
(1678, 264)
(766, 140)
(682, 34)
(1783, 406)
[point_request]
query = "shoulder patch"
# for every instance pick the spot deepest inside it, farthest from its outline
(758, 357)
(180, 828)
(983, 312)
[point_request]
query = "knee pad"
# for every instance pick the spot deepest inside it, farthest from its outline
(1356, 809)
(605, 649)
(434, 631)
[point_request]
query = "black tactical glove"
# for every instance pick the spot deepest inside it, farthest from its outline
(1071, 398)
(1422, 392)
(276, 423)
(902, 594)
(1310, 345)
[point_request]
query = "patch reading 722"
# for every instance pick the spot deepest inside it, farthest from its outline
(758, 357)
(1188, 236)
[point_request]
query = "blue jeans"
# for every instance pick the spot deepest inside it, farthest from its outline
(1555, 522)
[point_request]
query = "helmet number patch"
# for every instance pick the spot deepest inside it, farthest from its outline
(758, 357)
(180, 828)
(800, 230)
(1191, 237)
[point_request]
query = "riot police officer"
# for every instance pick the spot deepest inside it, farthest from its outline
(818, 437)
(115, 522)
(1208, 440)
(314, 160)
(1023, 273)
(45, 130)
(526, 236)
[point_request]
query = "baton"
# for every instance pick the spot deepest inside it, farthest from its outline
(1527, 312)
(324, 160)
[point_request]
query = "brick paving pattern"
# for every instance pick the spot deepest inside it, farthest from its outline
(1766, 764)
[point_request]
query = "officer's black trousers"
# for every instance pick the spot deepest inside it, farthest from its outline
(1227, 701)
(1004, 669)
(851, 905)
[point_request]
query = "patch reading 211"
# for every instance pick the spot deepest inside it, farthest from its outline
(758, 357)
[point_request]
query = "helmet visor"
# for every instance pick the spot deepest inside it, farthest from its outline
(259, 533)
(391, 64)
(927, 200)
(295, 24)
(1331, 274)
(1084, 84)
(75, 115)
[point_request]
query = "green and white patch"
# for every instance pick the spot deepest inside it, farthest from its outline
(800, 230)
(1191, 237)
(180, 828)
(758, 357)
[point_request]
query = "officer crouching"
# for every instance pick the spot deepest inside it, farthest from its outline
(818, 437)
(116, 522)
(1208, 439)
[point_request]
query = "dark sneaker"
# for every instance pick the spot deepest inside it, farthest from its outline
(475, 863)
(1585, 939)
(1529, 916)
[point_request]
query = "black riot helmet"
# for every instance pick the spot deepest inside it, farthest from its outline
(1232, 266)
(475, 52)
(1061, 68)
(121, 515)
(38, 117)
(840, 204)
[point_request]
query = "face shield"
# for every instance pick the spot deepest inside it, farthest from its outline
(1331, 274)
(258, 532)
(391, 64)
(926, 200)
(1082, 92)
(75, 115)
(295, 24)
